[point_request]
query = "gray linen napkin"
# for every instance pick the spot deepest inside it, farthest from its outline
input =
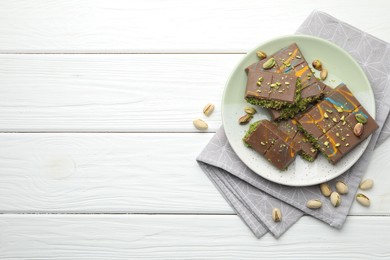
(252, 196)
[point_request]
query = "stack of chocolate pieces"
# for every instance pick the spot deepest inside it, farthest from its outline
(308, 115)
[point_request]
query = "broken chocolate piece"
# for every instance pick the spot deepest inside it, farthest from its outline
(329, 124)
(271, 90)
(264, 137)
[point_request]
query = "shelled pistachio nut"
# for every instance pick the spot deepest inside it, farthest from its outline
(245, 119)
(314, 204)
(276, 215)
(361, 118)
(269, 64)
(200, 124)
(363, 199)
(341, 187)
(335, 199)
(366, 184)
(325, 189)
(250, 110)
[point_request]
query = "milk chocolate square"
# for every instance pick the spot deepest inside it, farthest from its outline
(253, 89)
(286, 91)
(273, 90)
(264, 137)
(280, 154)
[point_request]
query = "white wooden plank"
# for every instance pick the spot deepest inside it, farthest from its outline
(168, 26)
(129, 173)
(131, 93)
(105, 173)
(185, 237)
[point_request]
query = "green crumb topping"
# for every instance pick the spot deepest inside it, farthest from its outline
(307, 157)
(252, 128)
(311, 138)
(301, 105)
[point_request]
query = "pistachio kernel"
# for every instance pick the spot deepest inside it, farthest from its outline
(361, 118)
(326, 115)
(261, 55)
(269, 64)
(250, 110)
(339, 109)
(245, 119)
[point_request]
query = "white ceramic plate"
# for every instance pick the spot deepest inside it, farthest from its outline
(342, 68)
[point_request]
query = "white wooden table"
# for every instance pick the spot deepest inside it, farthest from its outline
(97, 146)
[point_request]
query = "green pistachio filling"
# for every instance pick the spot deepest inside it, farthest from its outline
(275, 104)
(307, 157)
(301, 105)
(252, 128)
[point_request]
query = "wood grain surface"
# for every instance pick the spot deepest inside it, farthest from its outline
(97, 146)
(111, 93)
(131, 173)
(185, 237)
(90, 26)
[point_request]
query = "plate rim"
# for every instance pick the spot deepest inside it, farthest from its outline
(372, 99)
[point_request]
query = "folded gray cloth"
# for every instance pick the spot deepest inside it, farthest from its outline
(252, 196)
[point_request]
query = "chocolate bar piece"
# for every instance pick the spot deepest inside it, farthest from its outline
(291, 112)
(264, 138)
(330, 124)
(289, 61)
(271, 90)
(298, 140)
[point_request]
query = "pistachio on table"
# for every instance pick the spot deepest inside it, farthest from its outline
(276, 215)
(208, 109)
(314, 204)
(363, 199)
(366, 184)
(335, 199)
(200, 124)
(341, 187)
(325, 189)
